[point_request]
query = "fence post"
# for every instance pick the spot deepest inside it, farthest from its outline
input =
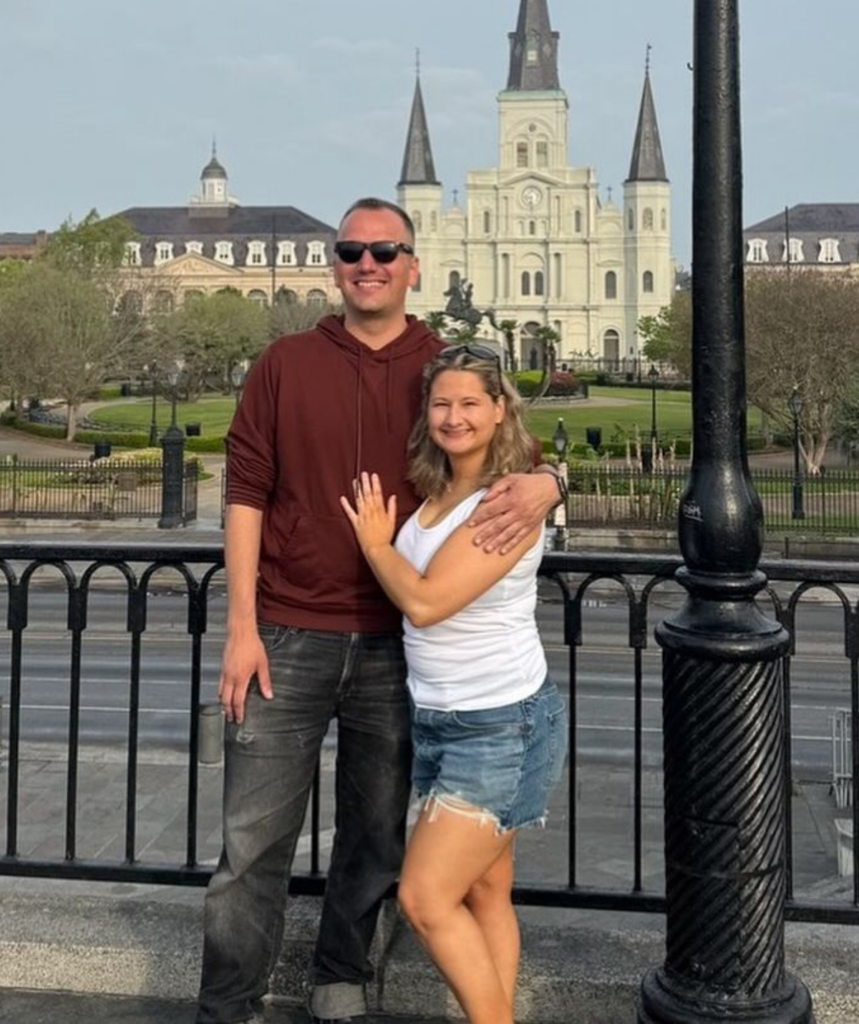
(210, 742)
(172, 478)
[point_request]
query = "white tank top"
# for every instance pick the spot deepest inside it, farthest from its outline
(487, 655)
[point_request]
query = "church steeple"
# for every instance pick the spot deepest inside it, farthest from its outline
(647, 162)
(418, 167)
(533, 50)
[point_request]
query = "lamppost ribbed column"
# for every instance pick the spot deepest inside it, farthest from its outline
(723, 703)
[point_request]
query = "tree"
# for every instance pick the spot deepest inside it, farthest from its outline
(667, 337)
(802, 330)
(289, 317)
(93, 246)
(210, 333)
(59, 336)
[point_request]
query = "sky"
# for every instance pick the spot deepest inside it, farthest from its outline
(114, 103)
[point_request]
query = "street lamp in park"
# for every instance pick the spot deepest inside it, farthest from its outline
(174, 375)
(653, 377)
(795, 405)
(172, 459)
(560, 441)
(151, 370)
(238, 372)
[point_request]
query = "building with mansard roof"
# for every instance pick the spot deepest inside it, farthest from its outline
(820, 235)
(213, 243)
(533, 237)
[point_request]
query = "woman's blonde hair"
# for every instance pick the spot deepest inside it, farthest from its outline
(511, 447)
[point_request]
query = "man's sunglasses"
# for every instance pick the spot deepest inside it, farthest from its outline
(382, 252)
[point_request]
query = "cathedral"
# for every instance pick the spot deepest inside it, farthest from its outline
(534, 241)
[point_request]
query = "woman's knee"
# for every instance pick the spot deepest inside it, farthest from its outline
(421, 906)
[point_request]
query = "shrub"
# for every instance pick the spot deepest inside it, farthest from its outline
(562, 383)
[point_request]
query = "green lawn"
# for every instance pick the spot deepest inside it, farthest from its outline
(213, 414)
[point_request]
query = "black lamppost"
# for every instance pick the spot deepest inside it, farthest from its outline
(723, 706)
(238, 372)
(795, 405)
(172, 460)
(152, 370)
(560, 441)
(653, 377)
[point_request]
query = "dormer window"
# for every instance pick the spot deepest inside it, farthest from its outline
(194, 248)
(224, 252)
(757, 251)
(829, 251)
(796, 253)
(286, 254)
(132, 254)
(316, 254)
(163, 252)
(256, 254)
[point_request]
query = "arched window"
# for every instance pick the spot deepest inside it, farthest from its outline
(258, 296)
(521, 154)
(317, 297)
(663, 219)
(539, 282)
(287, 296)
(611, 285)
(433, 221)
(487, 222)
(532, 227)
(526, 283)
(417, 220)
(611, 346)
(164, 301)
(630, 219)
(454, 280)
(577, 221)
(647, 219)
(647, 282)
(542, 154)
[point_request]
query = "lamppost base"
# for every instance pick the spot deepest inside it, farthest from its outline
(666, 1000)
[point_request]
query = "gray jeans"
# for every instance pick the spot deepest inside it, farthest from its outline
(270, 760)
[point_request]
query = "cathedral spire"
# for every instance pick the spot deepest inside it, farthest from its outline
(647, 162)
(533, 50)
(418, 167)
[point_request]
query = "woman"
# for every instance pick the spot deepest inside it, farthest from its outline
(489, 728)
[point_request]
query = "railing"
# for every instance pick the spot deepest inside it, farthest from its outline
(123, 588)
(617, 496)
(88, 489)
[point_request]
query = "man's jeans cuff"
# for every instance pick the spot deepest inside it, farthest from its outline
(339, 999)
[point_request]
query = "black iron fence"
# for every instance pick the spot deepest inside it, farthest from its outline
(617, 496)
(131, 596)
(88, 489)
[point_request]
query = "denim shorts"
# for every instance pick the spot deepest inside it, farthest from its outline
(501, 761)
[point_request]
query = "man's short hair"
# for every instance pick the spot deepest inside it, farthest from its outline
(372, 203)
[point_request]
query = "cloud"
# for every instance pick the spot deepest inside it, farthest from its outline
(277, 67)
(354, 47)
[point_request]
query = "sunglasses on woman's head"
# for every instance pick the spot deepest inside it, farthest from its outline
(451, 353)
(382, 252)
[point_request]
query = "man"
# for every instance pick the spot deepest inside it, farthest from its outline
(311, 636)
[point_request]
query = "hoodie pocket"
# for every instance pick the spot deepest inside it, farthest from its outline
(320, 555)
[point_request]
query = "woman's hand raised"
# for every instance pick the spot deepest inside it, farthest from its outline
(373, 519)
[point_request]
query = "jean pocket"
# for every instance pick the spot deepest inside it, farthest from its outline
(508, 718)
(273, 636)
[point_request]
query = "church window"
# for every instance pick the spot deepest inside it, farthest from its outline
(663, 220)
(611, 285)
(521, 154)
(194, 248)
(539, 283)
(487, 222)
(829, 251)
(796, 253)
(132, 254)
(163, 252)
(317, 297)
(286, 254)
(631, 219)
(611, 346)
(224, 252)
(258, 296)
(647, 219)
(256, 254)
(577, 221)
(526, 283)
(532, 227)
(316, 254)
(454, 280)
(647, 282)
(757, 251)
(542, 154)
(417, 220)
(532, 49)
(433, 221)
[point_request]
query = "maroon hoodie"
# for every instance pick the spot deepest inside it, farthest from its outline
(317, 408)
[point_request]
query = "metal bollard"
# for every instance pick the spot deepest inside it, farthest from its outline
(210, 735)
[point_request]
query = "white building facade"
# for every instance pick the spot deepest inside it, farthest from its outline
(534, 239)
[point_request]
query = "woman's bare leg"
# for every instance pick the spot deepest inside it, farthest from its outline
(449, 852)
(489, 900)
